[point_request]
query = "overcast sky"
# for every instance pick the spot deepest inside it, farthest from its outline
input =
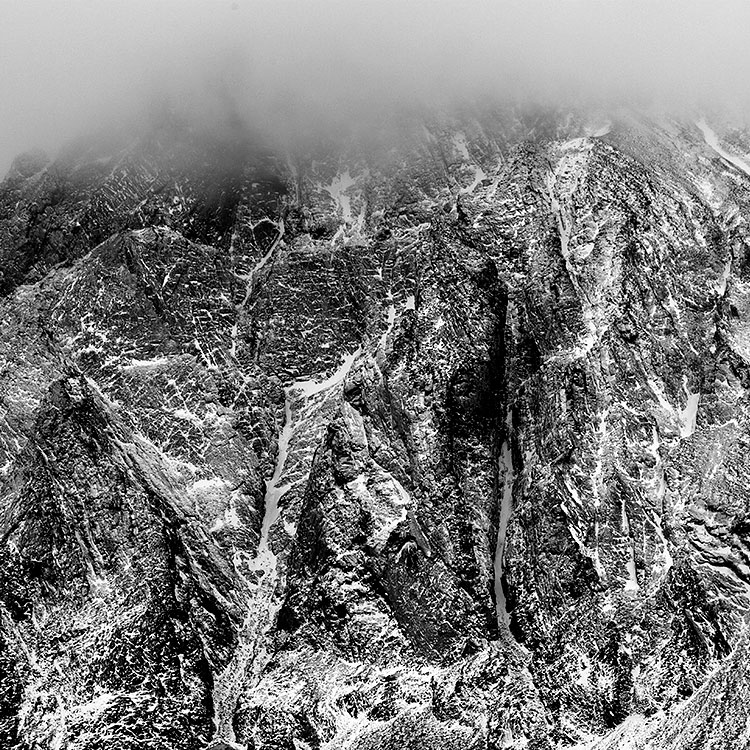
(69, 66)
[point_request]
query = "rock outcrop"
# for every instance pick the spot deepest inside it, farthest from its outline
(438, 440)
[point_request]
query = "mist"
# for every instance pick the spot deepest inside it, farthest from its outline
(292, 66)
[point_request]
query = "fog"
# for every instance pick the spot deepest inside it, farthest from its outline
(68, 67)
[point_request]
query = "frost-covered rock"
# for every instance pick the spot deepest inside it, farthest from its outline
(439, 440)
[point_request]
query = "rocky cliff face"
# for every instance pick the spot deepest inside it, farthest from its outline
(438, 440)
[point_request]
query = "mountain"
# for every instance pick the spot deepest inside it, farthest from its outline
(430, 436)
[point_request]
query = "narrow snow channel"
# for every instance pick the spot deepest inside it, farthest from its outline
(631, 582)
(337, 190)
(713, 141)
(505, 465)
(460, 144)
(563, 229)
(265, 559)
(249, 279)
(264, 599)
(391, 320)
(689, 415)
(598, 128)
(311, 387)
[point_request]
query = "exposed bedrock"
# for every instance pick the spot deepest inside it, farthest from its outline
(439, 441)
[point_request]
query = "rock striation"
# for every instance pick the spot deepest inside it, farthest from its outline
(435, 440)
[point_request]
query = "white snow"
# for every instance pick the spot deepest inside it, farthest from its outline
(724, 279)
(573, 491)
(391, 319)
(188, 416)
(459, 142)
(596, 476)
(689, 414)
(391, 513)
(598, 126)
(147, 363)
(214, 484)
(685, 418)
(337, 190)
(495, 182)
(591, 552)
(660, 397)
(584, 674)
(311, 387)
(505, 466)
(673, 308)
(659, 481)
(631, 584)
(595, 556)
(665, 554)
(263, 602)
(265, 559)
(229, 519)
(563, 226)
(249, 279)
(713, 141)
(562, 182)
(479, 176)
(260, 612)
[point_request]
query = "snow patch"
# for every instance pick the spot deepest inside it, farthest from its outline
(659, 481)
(390, 319)
(146, 363)
(460, 144)
(265, 559)
(249, 279)
(689, 414)
(311, 387)
(685, 418)
(600, 131)
(230, 519)
(188, 416)
(505, 467)
(337, 190)
(724, 279)
(459, 141)
(666, 555)
(264, 596)
(712, 140)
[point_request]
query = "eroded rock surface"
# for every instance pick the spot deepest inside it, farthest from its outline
(439, 441)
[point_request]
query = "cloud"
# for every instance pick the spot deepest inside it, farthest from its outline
(70, 67)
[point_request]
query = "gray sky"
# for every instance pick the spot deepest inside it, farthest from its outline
(70, 66)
